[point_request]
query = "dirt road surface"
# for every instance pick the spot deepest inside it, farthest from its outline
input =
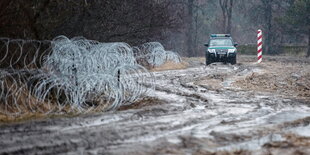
(220, 109)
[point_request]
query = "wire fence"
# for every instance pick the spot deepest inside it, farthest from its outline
(74, 75)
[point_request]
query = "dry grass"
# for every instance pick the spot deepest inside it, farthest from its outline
(170, 66)
(23, 106)
(291, 80)
(32, 116)
(20, 103)
(197, 59)
(293, 145)
(24, 117)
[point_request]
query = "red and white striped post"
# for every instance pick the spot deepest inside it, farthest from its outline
(259, 46)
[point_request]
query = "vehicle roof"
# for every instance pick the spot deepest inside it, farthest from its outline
(220, 38)
(220, 35)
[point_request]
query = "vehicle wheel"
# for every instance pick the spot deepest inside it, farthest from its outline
(208, 60)
(233, 60)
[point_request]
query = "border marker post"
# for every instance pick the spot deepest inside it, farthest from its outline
(259, 46)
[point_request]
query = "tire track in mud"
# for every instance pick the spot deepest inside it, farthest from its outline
(260, 106)
(195, 114)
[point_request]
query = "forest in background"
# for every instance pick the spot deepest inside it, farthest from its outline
(181, 25)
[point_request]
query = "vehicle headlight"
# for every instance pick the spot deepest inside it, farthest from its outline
(211, 50)
(232, 50)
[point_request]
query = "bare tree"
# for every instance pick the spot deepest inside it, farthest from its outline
(267, 7)
(132, 21)
(297, 20)
(190, 30)
(227, 9)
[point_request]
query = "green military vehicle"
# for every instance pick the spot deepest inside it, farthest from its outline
(221, 48)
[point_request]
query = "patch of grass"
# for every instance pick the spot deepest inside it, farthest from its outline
(6, 119)
(170, 65)
(287, 50)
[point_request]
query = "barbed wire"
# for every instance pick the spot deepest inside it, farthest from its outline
(154, 54)
(68, 75)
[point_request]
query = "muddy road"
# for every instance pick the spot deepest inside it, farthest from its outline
(245, 108)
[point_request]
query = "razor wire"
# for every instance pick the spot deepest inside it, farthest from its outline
(154, 54)
(74, 75)
(68, 75)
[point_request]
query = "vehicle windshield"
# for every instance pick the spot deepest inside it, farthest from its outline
(221, 42)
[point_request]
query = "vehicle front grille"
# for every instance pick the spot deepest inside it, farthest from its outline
(221, 51)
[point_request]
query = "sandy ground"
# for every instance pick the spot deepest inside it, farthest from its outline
(247, 108)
